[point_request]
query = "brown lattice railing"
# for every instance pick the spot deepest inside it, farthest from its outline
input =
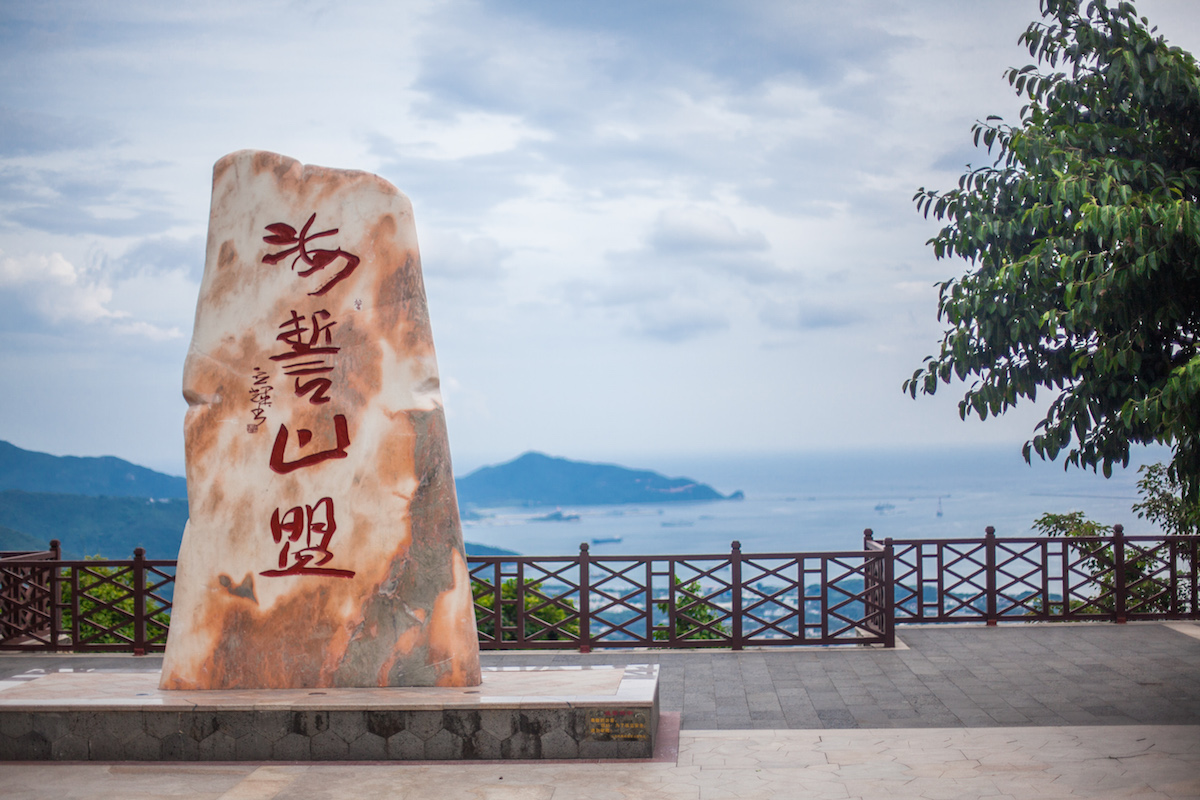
(47, 603)
(729, 600)
(993, 579)
(733, 600)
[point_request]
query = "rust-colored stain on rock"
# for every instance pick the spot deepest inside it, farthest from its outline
(324, 547)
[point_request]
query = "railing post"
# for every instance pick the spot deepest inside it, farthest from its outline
(1195, 573)
(497, 604)
(54, 606)
(1119, 572)
(139, 601)
(868, 536)
(520, 608)
(735, 584)
(889, 594)
(76, 605)
(1172, 545)
(990, 545)
(585, 604)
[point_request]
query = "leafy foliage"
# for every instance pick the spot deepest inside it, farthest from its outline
(543, 618)
(1083, 239)
(694, 614)
(106, 605)
(1164, 504)
(1143, 589)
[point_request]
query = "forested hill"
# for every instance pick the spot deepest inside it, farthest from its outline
(97, 506)
(86, 526)
(109, 506)
(95, 477)
(535, 479)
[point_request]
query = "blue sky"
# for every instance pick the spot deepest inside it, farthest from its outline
(662, 228)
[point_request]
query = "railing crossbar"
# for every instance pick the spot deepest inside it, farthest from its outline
(731, 599)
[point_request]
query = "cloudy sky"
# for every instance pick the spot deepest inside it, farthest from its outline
(648, 228)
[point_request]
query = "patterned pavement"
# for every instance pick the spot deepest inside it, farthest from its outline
(1025, 711)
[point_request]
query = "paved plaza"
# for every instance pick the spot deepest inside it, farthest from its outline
(1087, 710)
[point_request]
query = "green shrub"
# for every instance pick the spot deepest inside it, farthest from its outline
(694, 615)
(543, 617)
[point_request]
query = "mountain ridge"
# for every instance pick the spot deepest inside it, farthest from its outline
(536, 479)
(91, 504)
(93, 476)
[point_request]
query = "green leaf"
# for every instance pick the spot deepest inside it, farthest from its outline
(1081, 246)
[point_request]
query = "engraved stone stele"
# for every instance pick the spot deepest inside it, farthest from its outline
(324, 546)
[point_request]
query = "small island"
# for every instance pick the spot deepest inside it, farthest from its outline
(535, 479)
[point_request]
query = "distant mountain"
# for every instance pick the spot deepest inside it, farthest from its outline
(108, 526)
(11, 540)
(98, 506)
(535, 479)
(484, 550)
(95, 477)
(108, 506)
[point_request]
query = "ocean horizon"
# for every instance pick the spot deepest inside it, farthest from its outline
(823, 501)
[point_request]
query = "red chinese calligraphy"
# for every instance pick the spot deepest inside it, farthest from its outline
(317, 524)
(304, 436)
(315, 362)
(284, 234)
(304, 532)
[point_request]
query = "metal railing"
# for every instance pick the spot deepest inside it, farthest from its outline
(733, 600)
(1026, 578)
(50, 604)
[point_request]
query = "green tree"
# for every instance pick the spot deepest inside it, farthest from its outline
(541, 614)
(694, 614)
(1164, 504)
(1083, 240)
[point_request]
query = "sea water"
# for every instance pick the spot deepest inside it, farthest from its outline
(823, 501)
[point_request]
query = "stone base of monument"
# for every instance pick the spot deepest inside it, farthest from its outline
(592, 712)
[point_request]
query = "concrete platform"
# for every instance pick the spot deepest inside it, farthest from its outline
(547, 712)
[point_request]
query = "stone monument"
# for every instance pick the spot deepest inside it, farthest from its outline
(324, 547)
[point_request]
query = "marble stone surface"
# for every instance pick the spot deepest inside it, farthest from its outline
(324, 547)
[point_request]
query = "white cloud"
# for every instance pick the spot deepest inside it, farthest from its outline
(448, 255)
(593, 185)
(678, 323)
(806, 315)
(56, 289)
(463, 402)
(63, 294)
(699, 230)
(468, 135)
(147, 331)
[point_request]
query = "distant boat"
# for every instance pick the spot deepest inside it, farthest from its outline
(882, 507)
(939, 507)
(607, 540)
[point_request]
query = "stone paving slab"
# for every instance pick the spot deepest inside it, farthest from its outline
(950, 676)
(1046, 762)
